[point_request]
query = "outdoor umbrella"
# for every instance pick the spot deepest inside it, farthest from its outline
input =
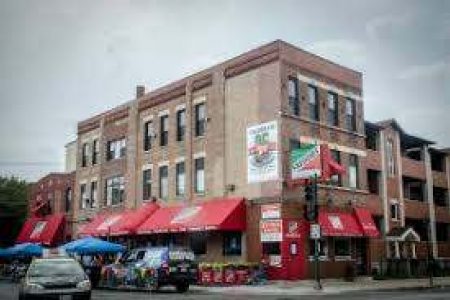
(24, 250)
(91, 246)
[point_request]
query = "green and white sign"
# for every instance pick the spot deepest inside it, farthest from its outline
(305, 162)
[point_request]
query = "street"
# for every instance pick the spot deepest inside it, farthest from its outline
(8, 291)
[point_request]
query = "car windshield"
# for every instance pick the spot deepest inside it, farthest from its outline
(55, 268)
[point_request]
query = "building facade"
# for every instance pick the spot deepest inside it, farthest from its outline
(188, 142)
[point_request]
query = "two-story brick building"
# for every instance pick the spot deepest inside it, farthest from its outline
(187, 145)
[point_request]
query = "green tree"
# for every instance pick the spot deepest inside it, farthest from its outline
(13, 208)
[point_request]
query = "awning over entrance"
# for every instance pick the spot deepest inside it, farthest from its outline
(339, 224)
(215, 214)
(123, 223)
(366, 222)
(44, 230)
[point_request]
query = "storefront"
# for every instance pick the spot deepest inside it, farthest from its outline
(48, 230)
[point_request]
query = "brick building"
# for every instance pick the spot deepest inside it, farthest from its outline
(187, 144)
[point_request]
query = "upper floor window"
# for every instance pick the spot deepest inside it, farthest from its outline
(294, 98)
(84, 198)
(116, 149)
(181, 124)
(200, 119)
(164, 130)
(84, 154)
(313, 103)
(353, 181)
(333, 115)
(395, 210)
(350, 115)
(94, 188)
(95, 151)
(336, 179)
(68, 199)
(294, 144)
(180, 183)
(148, 135)
(390, 157)
(163, 182)
(147, 184)
(200, 175)
(115, 190)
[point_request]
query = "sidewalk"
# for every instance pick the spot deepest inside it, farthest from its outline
(330, 286)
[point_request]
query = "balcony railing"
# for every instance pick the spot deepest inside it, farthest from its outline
(413, 168)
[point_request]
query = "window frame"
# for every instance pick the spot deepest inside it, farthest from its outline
(332, 114)
(95, 151)
(390, 157)
(336, 180)
(116, 149)
(354, 167)
(83, 195)
(163, 189)
(227, 238)
(93, 194)
(115, 185)
(350, 114)
(313, 106)
(200, 121)
(181, 125)
(197, 171)
(347, 242)
(147, 182)
(180, 185)
(148, 135)
(294, 100)
(164, 130)
(84, 155)
(396, 205)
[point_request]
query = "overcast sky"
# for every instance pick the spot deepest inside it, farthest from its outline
(63, 61)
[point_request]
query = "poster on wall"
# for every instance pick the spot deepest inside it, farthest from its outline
(305, 162)
(262, 152)
(271, 230)
(38, 228)
(271, 211)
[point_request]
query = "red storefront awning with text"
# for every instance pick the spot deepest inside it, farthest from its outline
(339, 224)
(44, 230)
(214, 214)
(366, 222)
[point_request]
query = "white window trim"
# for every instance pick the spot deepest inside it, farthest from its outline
(180, 107)
(147, 119)
(163, 163)
(199, 155)
(199, 100)
(398, 212)
(163, 113)
(325, 86)
(147, 167)
(180, 159)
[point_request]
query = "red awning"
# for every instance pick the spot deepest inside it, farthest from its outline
(366, 222)
(215, 214)
(44, 230)
(339, 224)
(118, 223)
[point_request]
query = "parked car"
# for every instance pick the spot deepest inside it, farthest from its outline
(58, 278)
(163, 266)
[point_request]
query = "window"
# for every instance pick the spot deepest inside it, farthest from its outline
(390, 157)
(313, 103)
(294, 99)
(395, 211)
(84, 154)
(148, 135)
(342, 247)
(93, 202)
(164, 130)
(294, 144)
(146, 184)
(84, 199)
(116, 149)
(68, 199)
(115, 190)
(232, 243)
(353, 181)
(272, 248)
(197, 242)
(181, 124)
(371, 140)
(163, 182)
(200, 119)
(350, 118)
(200, 175)
(336, 179)
(95, 151)
(373, 181)
(180, 179)
(323, 248)
(333, 115)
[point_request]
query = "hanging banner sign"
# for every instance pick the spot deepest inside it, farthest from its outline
(262, 152)
(305, 162)
(271, 230)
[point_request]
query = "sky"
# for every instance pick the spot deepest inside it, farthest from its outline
(64, 61)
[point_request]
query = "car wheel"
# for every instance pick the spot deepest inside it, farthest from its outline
(182, 287)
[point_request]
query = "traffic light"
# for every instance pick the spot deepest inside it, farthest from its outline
(311, 207)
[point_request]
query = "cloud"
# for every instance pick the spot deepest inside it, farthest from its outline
(344, 51)
(425, 71)
(382, 25)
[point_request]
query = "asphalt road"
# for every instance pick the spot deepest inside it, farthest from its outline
(8, 291)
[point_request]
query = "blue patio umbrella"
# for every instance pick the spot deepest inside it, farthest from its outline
(91, 246)
(24, 250)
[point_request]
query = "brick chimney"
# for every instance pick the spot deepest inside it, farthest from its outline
(140, 91)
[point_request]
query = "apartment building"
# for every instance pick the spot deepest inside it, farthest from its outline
(218, 143)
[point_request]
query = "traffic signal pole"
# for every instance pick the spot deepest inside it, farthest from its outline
(318, 285)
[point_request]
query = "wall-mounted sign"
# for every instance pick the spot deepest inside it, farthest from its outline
(275, 260)
(271, 211)
(314, 232)
(38, 228)
(271, 230)
(292, 230)
(262, 152)
(305, 162)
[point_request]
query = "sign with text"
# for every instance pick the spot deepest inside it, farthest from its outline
(306, 162)
(262, 152)
(271, 211)
(271, 230)
(314, 232)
